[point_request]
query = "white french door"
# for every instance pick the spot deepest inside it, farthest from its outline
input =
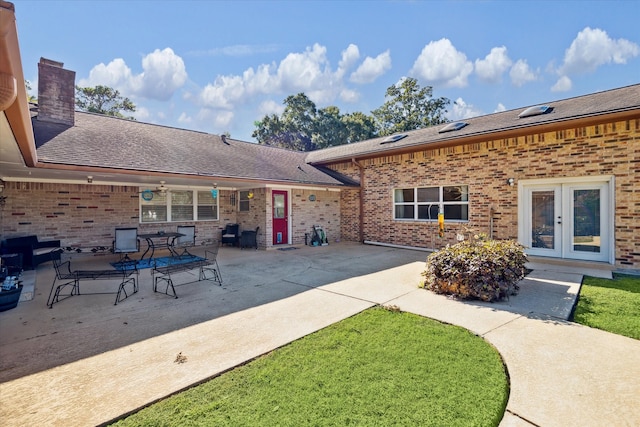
(567, 219)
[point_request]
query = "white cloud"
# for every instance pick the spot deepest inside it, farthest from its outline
(491, 68)
(350, 96)
(309, 72)
(350, 56)
(116, 74)
(461, 110)
(440, 63)
(269, 107)
(185, 119)
(563, 84)
(219, 119)
(235, 50)
(592, 48)
(163, 74)
(499, 108)
(306, 71)
(521, 73)
(141, 114)
(224, 92)
(372, 68)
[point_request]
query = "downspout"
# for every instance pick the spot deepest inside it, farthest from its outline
(361, 199)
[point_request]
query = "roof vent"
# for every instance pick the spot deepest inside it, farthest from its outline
(453, 126)
(535, 111)
(393, 138)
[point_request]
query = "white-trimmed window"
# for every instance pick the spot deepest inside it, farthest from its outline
(207, 206)
(178, 206)
(424, 203)
(244, 204)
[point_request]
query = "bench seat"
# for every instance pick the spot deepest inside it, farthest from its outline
(208, 264)
(66, 277)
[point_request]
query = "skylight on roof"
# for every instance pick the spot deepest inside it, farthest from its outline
(453, 126)
(393, 138)
(535, 111)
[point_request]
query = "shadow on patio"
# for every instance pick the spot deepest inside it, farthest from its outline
(35, 338)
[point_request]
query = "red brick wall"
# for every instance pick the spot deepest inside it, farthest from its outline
(605, 149)
(85, 216)
(323, 211)
(256, 216)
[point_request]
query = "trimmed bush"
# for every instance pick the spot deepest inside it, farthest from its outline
(483, 269)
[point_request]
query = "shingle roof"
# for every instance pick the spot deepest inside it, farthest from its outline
(611, 101)
(108, 142)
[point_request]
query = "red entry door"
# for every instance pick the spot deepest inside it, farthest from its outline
(280, 217)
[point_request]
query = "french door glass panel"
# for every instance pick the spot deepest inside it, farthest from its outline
(543, 219)
(586, 221)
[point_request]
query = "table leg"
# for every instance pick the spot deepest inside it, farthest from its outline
(150, 247)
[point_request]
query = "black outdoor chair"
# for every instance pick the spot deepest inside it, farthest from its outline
(230, 235)
(249, 239)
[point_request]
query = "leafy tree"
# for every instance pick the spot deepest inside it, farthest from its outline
(103, 100)
(303, 127)
(359, 127)
(293, 130)
(329, 129)
(30, 98)
(409, 107)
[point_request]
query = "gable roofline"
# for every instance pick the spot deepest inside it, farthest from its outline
(98, 143)
(615, 104)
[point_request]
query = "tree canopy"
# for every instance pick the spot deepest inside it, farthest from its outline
(103, 100)
(304, 127)
(409, 107)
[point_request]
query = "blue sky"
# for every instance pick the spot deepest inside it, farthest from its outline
(218, 66)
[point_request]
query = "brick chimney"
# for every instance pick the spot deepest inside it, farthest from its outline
(56, 92)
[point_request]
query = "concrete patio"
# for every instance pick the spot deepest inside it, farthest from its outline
(88, 362)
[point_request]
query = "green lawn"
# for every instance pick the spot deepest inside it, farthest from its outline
(610, 305)
(378, 368)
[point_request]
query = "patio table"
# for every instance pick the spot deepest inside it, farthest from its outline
(159, 240)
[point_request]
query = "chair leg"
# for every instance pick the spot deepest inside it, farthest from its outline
(169, 284)
(54, 294)
(216, 272)
(122, 289)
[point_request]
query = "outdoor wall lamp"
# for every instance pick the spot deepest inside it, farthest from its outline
(510, 181)
(89, 179)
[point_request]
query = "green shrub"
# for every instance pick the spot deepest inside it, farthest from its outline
(483, 269)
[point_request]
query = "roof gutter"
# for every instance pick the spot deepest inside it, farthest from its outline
(361, 199)
(11, 64)
(511, 132)
(193, 176)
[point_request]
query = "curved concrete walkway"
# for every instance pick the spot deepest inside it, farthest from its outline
(87, 362)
